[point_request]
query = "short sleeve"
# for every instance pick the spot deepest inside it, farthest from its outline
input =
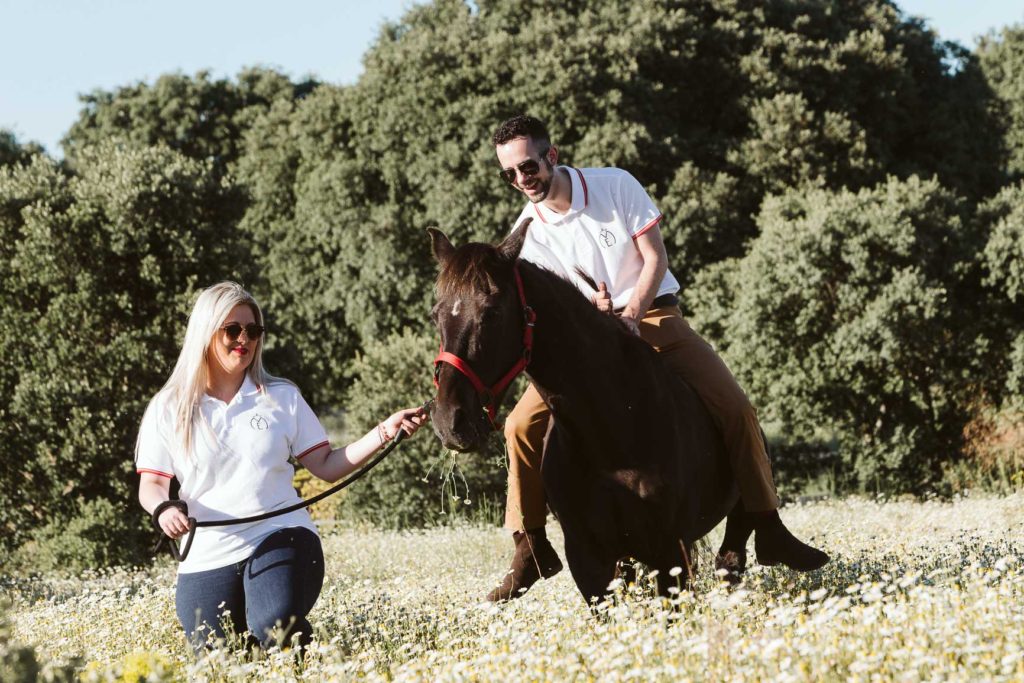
(309, 434)
(153, 454)
(638, 210)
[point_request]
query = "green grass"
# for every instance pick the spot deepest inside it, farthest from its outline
(917, 590)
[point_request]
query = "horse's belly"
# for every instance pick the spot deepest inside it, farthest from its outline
(623, 512)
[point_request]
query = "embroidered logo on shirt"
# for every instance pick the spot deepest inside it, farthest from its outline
(259, 423)
(607, 238)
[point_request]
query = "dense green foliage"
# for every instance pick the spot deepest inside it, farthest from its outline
(711, 104)
(12, 152)
(1001, 57)
(102, 533)
(844, 319)
(96, 279)
(838, 186)
(418, 484)
(202, 118)
(1003, 220)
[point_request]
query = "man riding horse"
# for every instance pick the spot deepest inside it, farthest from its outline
(602, 222)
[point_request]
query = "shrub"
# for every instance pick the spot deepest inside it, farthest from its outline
(1001, 58)
(13, 152)
(844, 322)
(707, 219)
(101, 534)
(994, 452)
(97, 273)
(1002, 218)
(416, 484)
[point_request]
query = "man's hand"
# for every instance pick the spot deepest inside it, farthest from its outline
(603, 300)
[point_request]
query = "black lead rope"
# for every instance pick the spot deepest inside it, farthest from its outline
(178, 554)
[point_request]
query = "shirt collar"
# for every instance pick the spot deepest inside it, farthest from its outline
(580, 198)
(248, 388)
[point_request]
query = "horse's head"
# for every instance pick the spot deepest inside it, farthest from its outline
(479, 315)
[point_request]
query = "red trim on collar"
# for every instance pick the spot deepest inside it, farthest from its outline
(539, 214)
(586, 195)
(583, 181)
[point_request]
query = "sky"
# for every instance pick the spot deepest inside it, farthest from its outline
(53, 50)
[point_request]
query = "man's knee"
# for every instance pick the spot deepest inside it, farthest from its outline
(522, 431)
(512, 429)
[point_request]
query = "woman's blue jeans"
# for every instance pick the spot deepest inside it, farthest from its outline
(275, 588)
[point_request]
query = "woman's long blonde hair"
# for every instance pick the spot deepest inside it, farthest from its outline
(187, 383)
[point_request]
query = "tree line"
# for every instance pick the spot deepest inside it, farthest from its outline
(843, 199)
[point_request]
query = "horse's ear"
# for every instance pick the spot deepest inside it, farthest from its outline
(513, 244)
(440, 244)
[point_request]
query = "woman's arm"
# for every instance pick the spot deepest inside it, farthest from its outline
(153, 490)
(332, 465)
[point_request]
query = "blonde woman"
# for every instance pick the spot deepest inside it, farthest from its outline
(225, 428)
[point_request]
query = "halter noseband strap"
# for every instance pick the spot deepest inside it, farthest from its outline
(490, 396)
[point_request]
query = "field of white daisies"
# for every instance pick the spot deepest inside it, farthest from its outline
(929, 590)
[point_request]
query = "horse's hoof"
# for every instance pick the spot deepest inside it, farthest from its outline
(730, 565)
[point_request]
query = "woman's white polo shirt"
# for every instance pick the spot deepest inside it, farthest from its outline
(238, 467)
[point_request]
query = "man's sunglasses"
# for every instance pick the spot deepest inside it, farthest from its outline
(528, 168)
(252, 331)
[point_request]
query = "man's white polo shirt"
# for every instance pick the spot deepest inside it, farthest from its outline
(609, 210)
(239, 465)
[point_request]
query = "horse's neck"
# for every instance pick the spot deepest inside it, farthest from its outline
(577, 353)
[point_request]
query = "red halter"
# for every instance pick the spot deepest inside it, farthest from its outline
(489, 395)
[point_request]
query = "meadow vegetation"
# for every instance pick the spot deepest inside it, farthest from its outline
(917, 590)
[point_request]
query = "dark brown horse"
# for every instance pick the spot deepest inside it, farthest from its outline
(633, 465)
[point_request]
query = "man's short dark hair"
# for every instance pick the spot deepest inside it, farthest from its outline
(522, 126)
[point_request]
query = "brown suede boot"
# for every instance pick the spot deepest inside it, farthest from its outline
(774, 544)
(534, 559)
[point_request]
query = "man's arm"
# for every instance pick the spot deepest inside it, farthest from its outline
(652, 251)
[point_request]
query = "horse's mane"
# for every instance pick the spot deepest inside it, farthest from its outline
(467, 271)
(572, 298)
(470, 269)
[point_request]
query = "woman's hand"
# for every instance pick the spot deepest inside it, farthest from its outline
(408, 420)
(173, 522)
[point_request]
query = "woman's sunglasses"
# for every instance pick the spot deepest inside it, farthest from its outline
(528, 168)
(252, 331)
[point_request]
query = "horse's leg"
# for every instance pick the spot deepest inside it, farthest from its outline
(625, 569)
(591, 572)
(732, 555)
(676, 554)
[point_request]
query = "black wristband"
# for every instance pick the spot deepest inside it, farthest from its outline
(180, 504)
